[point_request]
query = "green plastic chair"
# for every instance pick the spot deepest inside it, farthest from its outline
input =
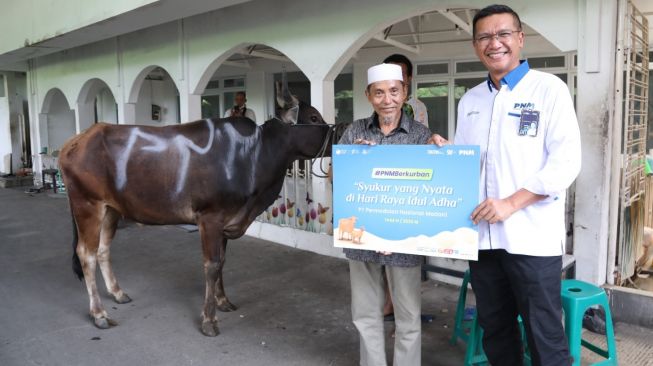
(461, 328)
(468, 330)
(577, 297)
(471, 332)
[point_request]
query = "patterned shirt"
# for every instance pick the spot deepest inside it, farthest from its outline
(409, 132)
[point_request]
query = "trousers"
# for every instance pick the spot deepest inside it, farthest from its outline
(507, 285)
(367, 298)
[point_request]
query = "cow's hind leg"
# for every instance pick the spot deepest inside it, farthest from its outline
(109, 224)
(220, 297)
(89, 220)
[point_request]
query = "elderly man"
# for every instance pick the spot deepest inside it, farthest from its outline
(388, 125)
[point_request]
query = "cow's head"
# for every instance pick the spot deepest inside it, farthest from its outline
(292, 110)
(312, 136)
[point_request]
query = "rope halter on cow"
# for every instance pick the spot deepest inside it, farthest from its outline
(332, 137)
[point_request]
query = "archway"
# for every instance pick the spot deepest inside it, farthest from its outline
(249, 68)
(155, 97)
(57, 121)
(96, 103)
(253, 68)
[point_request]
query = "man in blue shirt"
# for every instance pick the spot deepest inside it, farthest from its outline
(525, 124)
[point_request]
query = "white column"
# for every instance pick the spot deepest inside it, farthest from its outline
(40, 142)
(43, 132)
(127, 113)
(257, 96)
(322, 98)
(595, 107)
(190, 107)
(84, 116)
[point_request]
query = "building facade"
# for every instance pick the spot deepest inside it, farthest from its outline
(164, 62)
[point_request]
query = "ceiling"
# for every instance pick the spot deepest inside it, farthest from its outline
(436, 27)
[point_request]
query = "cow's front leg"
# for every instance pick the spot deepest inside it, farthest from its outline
(209, 318)
(212, 243)
(220, 297)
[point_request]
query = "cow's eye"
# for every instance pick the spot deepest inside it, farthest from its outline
(314, 119)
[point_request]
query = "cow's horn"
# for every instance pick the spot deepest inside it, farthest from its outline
(289, 99)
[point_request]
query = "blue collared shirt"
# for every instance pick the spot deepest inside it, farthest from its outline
(513, 77)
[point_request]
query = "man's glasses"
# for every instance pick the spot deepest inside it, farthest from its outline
(502, 36)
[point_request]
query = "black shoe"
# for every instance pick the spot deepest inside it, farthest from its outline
(594, 320)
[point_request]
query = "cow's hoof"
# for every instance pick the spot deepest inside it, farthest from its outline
(123, 299)
(210, 329)
(226, 306)
(104, 323)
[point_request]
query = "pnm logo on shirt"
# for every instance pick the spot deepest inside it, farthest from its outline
(524, 106)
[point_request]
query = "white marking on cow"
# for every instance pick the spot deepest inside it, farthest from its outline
(254, 154)
(182, 143)
(239, 148)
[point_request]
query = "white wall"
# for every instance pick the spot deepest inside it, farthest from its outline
(17, 94)
(48, 19)
(13, 87)
(192, 49)
(5, 132)
(69, 71)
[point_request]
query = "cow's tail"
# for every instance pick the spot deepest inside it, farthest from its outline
(77, 265)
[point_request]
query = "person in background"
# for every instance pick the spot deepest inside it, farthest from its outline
(413, 107)
(525, 124)
(240, 109)
(388, 125)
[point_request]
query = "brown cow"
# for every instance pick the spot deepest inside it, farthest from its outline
(217, 173)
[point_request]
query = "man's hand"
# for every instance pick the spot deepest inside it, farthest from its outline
(492, 210)
(364, 142)
(384, 252)
(438, 140)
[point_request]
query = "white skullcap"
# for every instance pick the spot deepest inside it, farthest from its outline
(384, 72)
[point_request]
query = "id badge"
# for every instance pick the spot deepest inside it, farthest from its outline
(529, 122)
